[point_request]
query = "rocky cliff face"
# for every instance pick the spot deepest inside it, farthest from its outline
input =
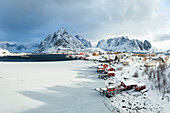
(124, 44)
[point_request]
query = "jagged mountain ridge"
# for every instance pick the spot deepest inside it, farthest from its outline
(124, 44)
(85, 42)
(60, 40)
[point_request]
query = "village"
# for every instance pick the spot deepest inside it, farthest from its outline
(132, 76)
(132, 82)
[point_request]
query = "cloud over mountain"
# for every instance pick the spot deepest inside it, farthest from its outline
(31, 20)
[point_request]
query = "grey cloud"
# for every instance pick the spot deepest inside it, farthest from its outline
(23, 20)
(164, 37)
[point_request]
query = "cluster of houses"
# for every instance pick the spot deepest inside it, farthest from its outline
(125, 85)
(107, 70)
(108, 60)
(124, 58)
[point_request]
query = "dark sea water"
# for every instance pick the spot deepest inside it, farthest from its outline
(36, 58)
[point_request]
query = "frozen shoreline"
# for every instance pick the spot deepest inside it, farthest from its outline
(53, 87)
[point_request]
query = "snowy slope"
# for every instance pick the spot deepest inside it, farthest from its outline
(18, 47)
(4, 52)
(59, 40)
(122, 44)
(85, 42)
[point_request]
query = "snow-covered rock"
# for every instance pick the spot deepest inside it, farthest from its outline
(4, 52)
(85, 42)
(124, 44)
(59, 40)
(18, 47)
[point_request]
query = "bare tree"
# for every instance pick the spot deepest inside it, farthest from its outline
(159, 78)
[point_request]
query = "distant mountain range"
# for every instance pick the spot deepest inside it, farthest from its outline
(124, 44)
(53, 42)
(18, 47)
(63, 40)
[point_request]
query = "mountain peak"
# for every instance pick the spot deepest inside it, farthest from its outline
(62, 31)
(60, 40)
(123, 37)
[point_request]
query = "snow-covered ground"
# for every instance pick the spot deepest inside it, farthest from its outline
(50, 87)
(134, 101)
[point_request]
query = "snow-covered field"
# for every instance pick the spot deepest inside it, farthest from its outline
(50, 87)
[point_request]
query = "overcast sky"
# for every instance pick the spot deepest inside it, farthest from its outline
(33, 20)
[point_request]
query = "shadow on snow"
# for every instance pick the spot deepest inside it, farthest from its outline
(78, 98)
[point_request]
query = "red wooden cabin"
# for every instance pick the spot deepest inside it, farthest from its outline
(110, 88)
(109, 68)
(140, 86)
(128, 84)
(111, 73)
(100, 68)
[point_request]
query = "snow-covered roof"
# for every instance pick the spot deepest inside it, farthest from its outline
(130, 82)
(110, 66)
(112, 86)
(100, 66)
(133, 82)
(104, 89)
(111, 72)
(141, 84)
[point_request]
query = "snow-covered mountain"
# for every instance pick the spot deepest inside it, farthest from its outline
(85, 42)
(124, 44)
(18, 47)
(59, 40)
